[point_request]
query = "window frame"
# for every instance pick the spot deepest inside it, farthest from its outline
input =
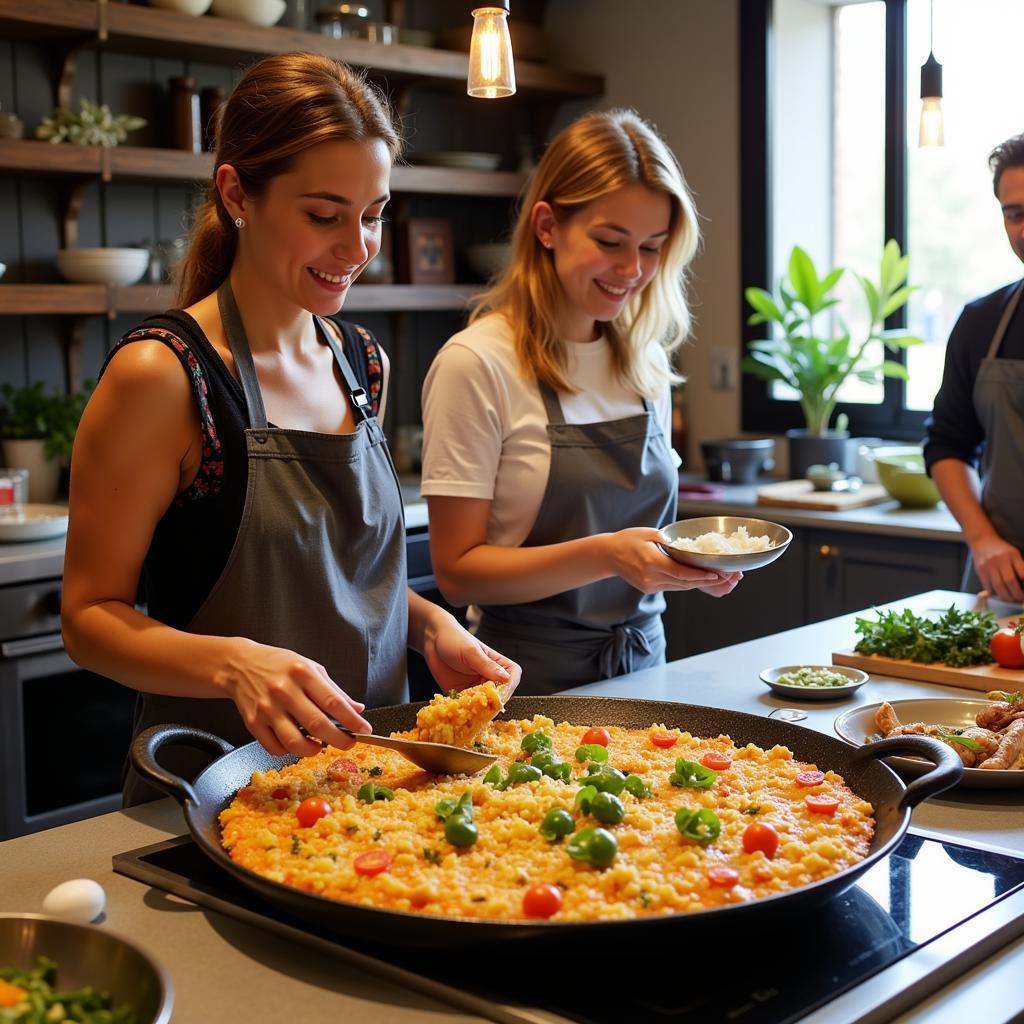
(759, 411)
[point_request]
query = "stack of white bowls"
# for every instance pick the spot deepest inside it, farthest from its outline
(256, 12)
(114, 266)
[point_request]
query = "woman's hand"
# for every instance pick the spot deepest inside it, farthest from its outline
(278, 691)
(457, 659)
(1000, 567)
(636, 557)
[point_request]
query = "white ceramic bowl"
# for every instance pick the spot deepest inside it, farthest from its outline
(770, 676)
(114, 266)
(193, 7)
(256, 12)
(488, 260)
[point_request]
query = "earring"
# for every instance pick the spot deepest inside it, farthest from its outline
(239, 222)
(547, 245)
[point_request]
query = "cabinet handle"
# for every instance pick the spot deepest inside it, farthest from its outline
(828, 551)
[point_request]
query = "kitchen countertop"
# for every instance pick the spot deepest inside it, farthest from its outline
(224, 970)
(888, 517)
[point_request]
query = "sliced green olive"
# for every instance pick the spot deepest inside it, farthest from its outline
(607, 808)
(556, 824)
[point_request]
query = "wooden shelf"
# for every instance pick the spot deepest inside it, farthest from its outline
(144, 30)
(144, 164)
(98, 299)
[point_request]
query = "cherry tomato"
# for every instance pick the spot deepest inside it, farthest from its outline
(810, 778)
(372, 862)
(723, 877)
(821, 804)
(542, 900)
(663, 740)
(280, 793)
(715, 761)
(1007, 647)
(341, 769)
(596, 735)
(759, 835)
(311, 810)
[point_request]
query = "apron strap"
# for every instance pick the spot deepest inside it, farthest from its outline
(1004, 320)
(356, 393)
(234, 329)
(553, 405)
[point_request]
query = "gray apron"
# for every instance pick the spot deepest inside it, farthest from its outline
(604, 477)
(317, 567)
(999, 402)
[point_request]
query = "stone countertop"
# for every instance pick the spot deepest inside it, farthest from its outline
(887, 517)
(225, 970)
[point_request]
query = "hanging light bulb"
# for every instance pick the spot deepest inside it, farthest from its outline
(491, 74)
(931, 131)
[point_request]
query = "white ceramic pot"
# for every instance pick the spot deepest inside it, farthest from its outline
(43, 473)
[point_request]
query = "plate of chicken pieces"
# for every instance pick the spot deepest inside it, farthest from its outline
(987, 734)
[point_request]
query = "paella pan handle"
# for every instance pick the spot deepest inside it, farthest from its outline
(946, 773)
(147, 743)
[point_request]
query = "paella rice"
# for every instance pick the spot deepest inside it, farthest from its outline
(367, 827)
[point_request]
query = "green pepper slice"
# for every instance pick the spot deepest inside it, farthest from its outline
(594, 845)
(556, 824)
(691, 775)
(607, 808)
(535, 742)
(699, 825)
(592, 752)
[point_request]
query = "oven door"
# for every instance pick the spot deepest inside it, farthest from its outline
(64, 736)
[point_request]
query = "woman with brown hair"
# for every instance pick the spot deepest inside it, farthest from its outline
(547, 465)
(232, 452)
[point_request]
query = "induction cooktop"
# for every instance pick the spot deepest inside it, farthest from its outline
(914, 922)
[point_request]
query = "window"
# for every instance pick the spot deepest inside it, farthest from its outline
(831, 103)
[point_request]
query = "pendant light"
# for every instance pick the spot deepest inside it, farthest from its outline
(491, 74)
(931, 131)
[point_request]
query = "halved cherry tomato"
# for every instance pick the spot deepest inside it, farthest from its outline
(723, 877)
(663, 740)
(821, 804)
(810, 778)
(280, 793)
(596, 735)
(715, 761)
(311, 810)
(341, 769)
(759, 835)
(542, 900)
(372, 862)
(1007, 646)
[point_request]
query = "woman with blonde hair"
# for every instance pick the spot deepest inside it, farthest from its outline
(547, 464)
(232, 453)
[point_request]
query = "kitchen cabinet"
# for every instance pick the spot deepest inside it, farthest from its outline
(824, 573)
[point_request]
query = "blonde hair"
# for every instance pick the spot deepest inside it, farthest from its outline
(282, 106)
(597, 154)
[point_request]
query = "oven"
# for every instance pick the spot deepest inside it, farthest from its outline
(64, 731)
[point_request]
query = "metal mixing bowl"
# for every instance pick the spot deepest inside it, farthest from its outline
(88, 955)
(690, 529)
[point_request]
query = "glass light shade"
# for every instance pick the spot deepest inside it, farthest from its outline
(491, 73)
(931, 131)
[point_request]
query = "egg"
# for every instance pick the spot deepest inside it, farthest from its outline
(80, 899)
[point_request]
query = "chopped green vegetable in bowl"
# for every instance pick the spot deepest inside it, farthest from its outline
(813, 676)
(814, 682)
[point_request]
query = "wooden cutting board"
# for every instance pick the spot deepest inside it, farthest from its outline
(975, 677)
(801, 494)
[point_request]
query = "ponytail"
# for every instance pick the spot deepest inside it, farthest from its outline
(211, 251)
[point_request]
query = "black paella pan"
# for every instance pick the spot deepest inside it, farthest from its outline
(861, 767)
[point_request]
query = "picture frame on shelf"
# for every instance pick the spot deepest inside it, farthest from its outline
(428, 253)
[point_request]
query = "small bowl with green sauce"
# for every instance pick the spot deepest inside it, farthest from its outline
(814, 682)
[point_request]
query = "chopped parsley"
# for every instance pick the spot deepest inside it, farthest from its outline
(752, 809)
(645, 898)
(296, 843)
(433, 856)
(376, 835)
(374, 771)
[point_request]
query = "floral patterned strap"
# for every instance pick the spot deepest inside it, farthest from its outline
(211, 466)
(374, 368)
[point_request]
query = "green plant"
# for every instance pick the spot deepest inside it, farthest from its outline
(816, 364)
(29, 413)
(93, 125)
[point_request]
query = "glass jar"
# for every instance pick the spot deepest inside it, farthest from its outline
(341, 21)
(185, 121)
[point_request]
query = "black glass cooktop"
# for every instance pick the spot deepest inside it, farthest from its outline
(777, 973)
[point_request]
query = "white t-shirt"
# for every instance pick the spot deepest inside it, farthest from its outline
(485, 427)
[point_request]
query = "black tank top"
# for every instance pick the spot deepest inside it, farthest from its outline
(194, 537)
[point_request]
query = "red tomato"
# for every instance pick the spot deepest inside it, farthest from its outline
(373, 862)
(821, 804)
(542, 900)
(715, 761)
(759, 835)
(280, 793)
(596, 735)
(311, 810)
(810, 778)
(723, 877)
(1007, 647)
(341, 769)
(663, 740)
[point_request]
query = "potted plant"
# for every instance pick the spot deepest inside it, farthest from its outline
(814, 353)
(38, 431)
